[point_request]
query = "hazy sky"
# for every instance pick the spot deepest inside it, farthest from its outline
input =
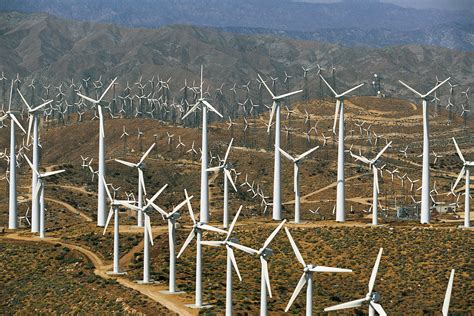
(422, 4)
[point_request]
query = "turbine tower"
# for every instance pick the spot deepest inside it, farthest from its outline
(101, 189)
(465, 172)
(204, 203)
(296, 178)
(425, 180)
(277, 166)
(339, 113)
(33, 122)
(141, 182)
(172, 217)
(225, 167)
(231, 262)
(375, 171)
(12, 204)
(308, 270)
(264, 254)
(38, 194)
(198, 228)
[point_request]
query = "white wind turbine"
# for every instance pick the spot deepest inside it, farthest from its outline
(264, 254)
(296, 178)
(33, 122)
(12, 204)
(371, 298)
(277, 165)
(38, 194)
(204, 202)
(447, 297)
(147, 235)
(465, 171)
(141, 181)
(198, 228)
(376, 188)
(225, 167)
(425, 181)
(308, 270)
(101, 189)
(230, 262)
(171, 218)
(339, 114)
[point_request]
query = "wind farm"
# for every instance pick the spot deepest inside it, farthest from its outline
(266, 191)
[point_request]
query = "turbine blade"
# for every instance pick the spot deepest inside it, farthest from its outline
(190, 111)
(232, 225)
(24, 101)
(280, 97)
(190, 209)
(266, 87)
(410, 88)
(373, 276)
(229, 177)
(295, 248)
(327, 84)
(234, 262)
(180, 205)
(460, 176)
(437, 86)
(52, 173)
(13, 117)
(109, 217)
(306, 153)
(87, 98)
(160, 210)
(297, 291)
(211, 243)
(284, 153)
(30, 124)
(459, 151)
(106, 189)
(381, 152)
(243, 248)
(101, 122)
(213, 229)
(354, 303)
(376, 178)
(141, 181)
(352, 89)
(148, 227)
(211, 108)
(378, 308)
(336, 114)
(186, 243)
(157, 194)
(273, 234)
(228, 150)
(447, 297)
(106, 90)
(147, 153)
(271, 116)
(126, 163)
(329, 269)
(266, 275)
(41, 106)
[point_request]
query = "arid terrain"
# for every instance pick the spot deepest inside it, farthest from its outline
(417, 258)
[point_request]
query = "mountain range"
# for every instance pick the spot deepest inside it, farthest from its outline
(349, 23)
(44, 46)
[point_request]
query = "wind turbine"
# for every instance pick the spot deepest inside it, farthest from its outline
(230, 262)
(101, 189)
(296, 178)
(33, 122)
(371, 298)
(12, 204)
(308, 270)
(277, 166)
(376, 191)
(425, 181)
(171, 218)
(147, 235)
(38, 194)
(226, 167)
(141, 182)
(339, 113)
(264, 254)
(197, 230)
(465, 172)
(204, 203)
